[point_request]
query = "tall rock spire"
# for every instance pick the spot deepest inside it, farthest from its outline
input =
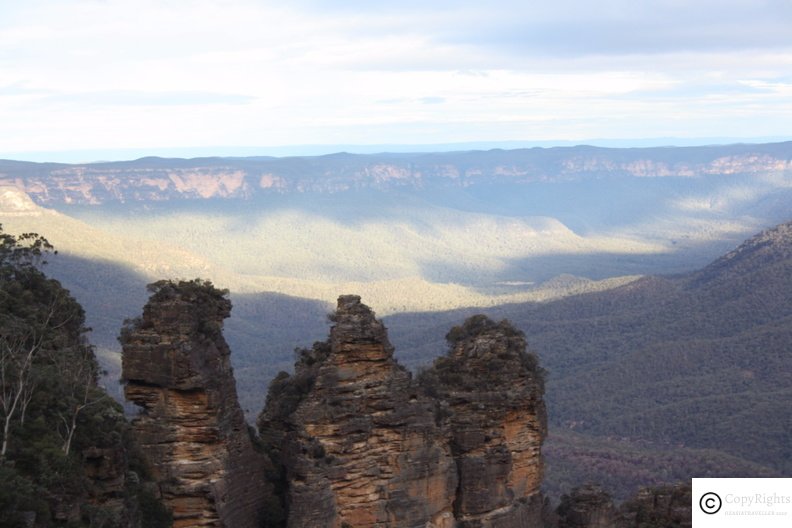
(359, 442)
(177, 369)
(492, 389)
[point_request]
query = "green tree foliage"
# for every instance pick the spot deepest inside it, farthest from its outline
(52, 411)
(20, 253)
(212, 304)
(481, 325)
(662, 379)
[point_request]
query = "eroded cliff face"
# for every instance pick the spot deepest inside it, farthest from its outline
(491, 390)
(359, 443)
(155, 179)
(191, 428)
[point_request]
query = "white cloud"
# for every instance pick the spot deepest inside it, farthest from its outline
(100, 74)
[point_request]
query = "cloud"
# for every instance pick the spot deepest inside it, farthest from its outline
(19, 89)
(231, 72)
(638, 27)
(579, 28)
(136, 98)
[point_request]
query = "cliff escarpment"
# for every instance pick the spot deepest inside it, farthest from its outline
(191, 427)
(159, 179)
(362, 444)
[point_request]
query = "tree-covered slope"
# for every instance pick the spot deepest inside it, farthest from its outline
(66, 457)
(701, 361)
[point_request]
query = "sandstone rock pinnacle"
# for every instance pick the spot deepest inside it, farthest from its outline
(359, 443)
(491, 389)
(177, 369)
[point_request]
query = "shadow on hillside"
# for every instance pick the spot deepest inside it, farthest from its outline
(523, 273)
(263, 330)
(686, 364)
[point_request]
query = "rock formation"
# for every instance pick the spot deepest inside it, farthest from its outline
(356, 441)
(491, 389)
(359, 443)
(176, 367)
(588, 506)
(668, 506)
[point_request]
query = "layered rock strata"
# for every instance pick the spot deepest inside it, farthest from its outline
(359, 443)
(176, 367)
(491, 389)
(156, 179)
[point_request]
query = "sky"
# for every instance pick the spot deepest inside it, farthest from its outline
(101, 76)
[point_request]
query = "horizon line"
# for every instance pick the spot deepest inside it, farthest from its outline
(105, 155)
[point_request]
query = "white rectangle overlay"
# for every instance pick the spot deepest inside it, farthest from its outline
(741, 502)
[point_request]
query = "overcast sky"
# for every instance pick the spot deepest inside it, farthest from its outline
(113, 74)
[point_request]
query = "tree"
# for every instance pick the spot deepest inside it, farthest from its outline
(17, 381)
(21, 335)
(79, 374)
(52, 412)
(24, 251)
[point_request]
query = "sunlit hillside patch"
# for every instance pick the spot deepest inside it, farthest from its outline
(438, 244)
(326, 258)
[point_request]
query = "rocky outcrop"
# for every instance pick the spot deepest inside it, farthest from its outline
(668, 506)
(587, 507)
(359, 443)
(362, 444)
(176, 367)
(590, 506)
(491, 389)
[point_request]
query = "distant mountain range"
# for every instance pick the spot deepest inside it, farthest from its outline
(85, 156)
(157, 179)
(487, 220)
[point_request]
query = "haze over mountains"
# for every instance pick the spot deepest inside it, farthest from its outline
(409, 232)
(646, 360)
(476, 219)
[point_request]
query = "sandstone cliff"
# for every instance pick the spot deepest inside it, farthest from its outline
(176, 367)
(155, 179)
(491, 389)
(362, 444)
(358, 442)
